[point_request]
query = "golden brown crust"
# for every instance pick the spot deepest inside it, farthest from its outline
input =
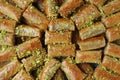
(112, 20)
(111, 7)
(10, 11)
(10, 70)
(72, 71)
(88, 56)
(111, 63)
(63, 50)
(34, 17)
(58, 37)
(112, 50)
(113, 33)
(49, 70)
(27, 47)
(27, 30)
(101, 74)
(61, 24)
(92, 43)
(91, 31)
(85, 17)
(68, 6)
(22, 75)
(7, 25)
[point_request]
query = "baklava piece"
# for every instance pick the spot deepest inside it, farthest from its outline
(113, 33)
(112, 50)
(86, 17)
(92, 43)
(111, 63)
(88, 56)
(7, 25)
(72, 71)
(59, 50)
(27, 30)
(91, 31)
(9, 10)
(69, 6)
(49, 70)
(58, 37)
(101, 74)
(61, 24)
(111, 7)
(10, 70)
(50, 8)
(27, 48)
(112, 20)
(34, 17)
(34, 61)
(22, 75)
(23, 4)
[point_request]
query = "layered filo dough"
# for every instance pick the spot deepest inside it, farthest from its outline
(112, 50)
(34, 61)
(27, 48)
(9, 10)
(111, 7)
(58, 37)
(61, 24)
(91, 31)
(27, 30)
(94, 56)
(113, 34)
(92, 43)
(49, 70)
(34, 17)
(69, 6)
(10, 70)
(71, 70)
(112, 20)
(23, 75)
(111, 63)
(86, 17)
(63, 50)
(101, 74)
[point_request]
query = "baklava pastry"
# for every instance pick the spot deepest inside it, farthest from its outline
(49, 70)
(101, 74)
(23, 4)
(10, 10)
(59, 50)
(86, 17)
(28, 47)
(111, 7)
(22, 75)
(112, 50)
(113, 34)
(34, 61)
(111, 63)
(50, 8)
(72, 71)
(7, 55)
(91, 31)
(27, 30)
(52, 37)
(7, 25)
(61, 24)
(34, 17)
(92, 43)
(10, 70)
(88, 56)
(112, 20)
(69, 6)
